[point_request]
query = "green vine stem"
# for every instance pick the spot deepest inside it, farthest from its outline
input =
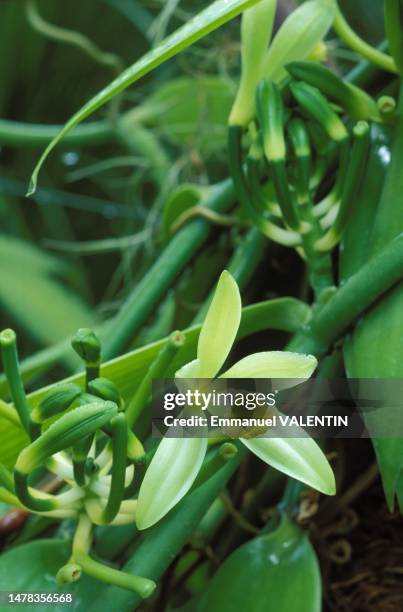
(351, 300)
(153, 286)
(156, 370)
(71, 37)
(11, 367)
(119, 449)
(81, 545)
(355, 42)
(17, 134)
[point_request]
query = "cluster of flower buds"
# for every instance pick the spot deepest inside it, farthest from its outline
(298, 166)
(81, 435)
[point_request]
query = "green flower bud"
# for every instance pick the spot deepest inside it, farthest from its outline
(357, 103)
(105, 389)
(318, 108)
(87, 346)
(270, 113)
(55, 401)
(68, 430)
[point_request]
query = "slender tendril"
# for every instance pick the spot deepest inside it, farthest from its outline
(355, 42)
(73, 38)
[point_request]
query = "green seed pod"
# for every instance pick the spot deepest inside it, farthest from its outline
(356, 103)
(68, 430)
(105, 389)
(55, 401)
(87, 346)
(318, 108)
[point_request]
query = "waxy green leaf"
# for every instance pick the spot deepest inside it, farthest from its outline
(275, 572)
(32, 567)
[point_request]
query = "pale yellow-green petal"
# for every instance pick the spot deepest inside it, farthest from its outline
(300, 458)
(170, 475)
(256, 28)
(220, 326)
(298, 36)
(273, 364)
(189, 370)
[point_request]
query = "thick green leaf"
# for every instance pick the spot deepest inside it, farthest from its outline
(277, 572)
(375, 348)
(32, 568)
(286, 314)
(211, 18)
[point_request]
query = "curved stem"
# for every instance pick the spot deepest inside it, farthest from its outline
(119, 444)
(81, 545)
(71, 37)
(355, 42)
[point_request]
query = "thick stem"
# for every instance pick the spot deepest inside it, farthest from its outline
(18, 134)
(351, 300)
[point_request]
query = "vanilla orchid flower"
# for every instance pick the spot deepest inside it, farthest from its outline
(178, 461)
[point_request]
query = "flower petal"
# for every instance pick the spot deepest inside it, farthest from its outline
(298, 36)
(220, 326)
(189, 370)
(169, 477)
(256, 28)
(273, 364)
(300, 458)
